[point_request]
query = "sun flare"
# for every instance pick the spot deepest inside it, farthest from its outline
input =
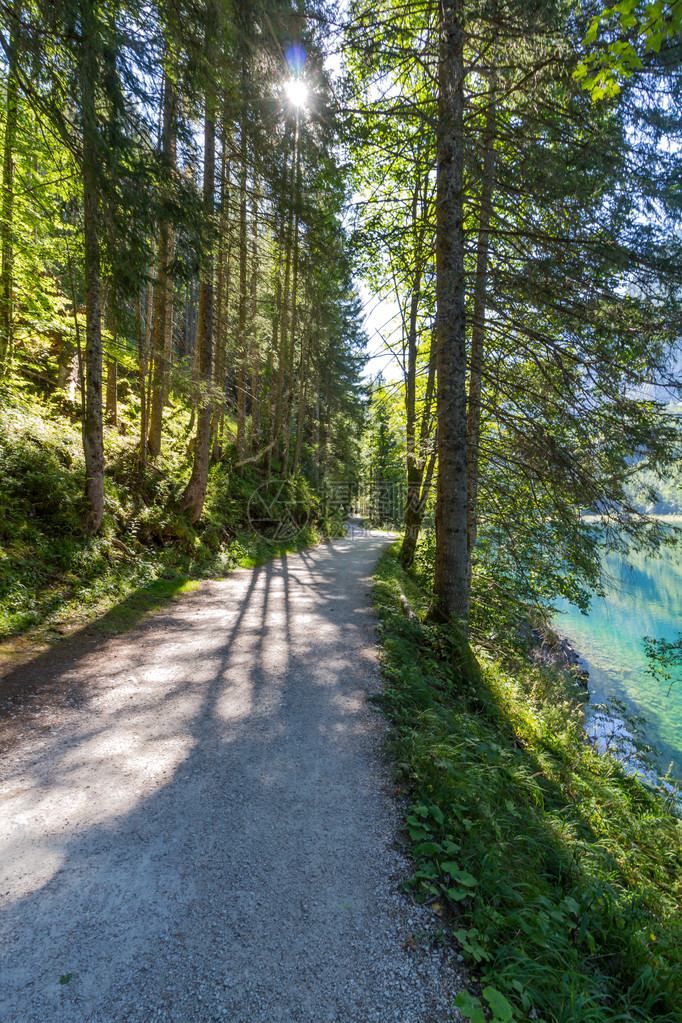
(297, 92)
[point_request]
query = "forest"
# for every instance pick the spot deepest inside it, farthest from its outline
(179, 314)
(190, 200)
(196, 198)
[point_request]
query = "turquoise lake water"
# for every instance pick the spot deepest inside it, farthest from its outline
(644, 598)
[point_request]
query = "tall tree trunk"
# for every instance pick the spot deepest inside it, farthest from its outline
(112, 383)
(275, 387)
(226, 369)
(93, 437)
(428, 448)
(111, 401)
(195, 492)
(186, 343)
(284, 318)
(414, 464)
(302, 394)
(146, 378)
(7, 225)
(196, 350)
(67, 368)
(428, 444)
(478, 324)
(163, 304)
(415, 452)
(292, 332)
(254, 357)
(316, 437)
(142, 377)
(451, 575)
(243, 288)
(412, 517)
(168, 334)
(221, 299)
(419, 484)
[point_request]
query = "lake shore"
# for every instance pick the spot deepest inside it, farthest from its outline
(610, 731)
(554, 648)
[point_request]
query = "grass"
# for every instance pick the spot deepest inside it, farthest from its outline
(143, 601)
(559, 875)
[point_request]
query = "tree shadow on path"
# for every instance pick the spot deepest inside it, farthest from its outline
(203, 836)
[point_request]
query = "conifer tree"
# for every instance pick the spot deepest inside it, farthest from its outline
(8, 156)
(195, 491)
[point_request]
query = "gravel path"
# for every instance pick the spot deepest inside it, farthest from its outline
(197, 824)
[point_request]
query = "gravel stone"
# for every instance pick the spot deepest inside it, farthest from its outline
(197, 824)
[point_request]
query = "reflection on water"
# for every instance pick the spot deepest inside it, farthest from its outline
(644, 599)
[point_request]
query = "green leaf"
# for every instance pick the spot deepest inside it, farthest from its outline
(449, 867)
(591, 34)
(427, 849)
(470, 1007)
(470, 943)
(499, 1005)
(457, 894)
(451, 847)
(437, 814)
(465, 878)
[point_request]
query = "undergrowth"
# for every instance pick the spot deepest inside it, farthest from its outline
(54, 579)
(559, 874)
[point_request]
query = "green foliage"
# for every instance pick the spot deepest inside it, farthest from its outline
(621, 38)
(470, 1007)
(578, 320)
(658, 493)
(383, 456)
(574, 913)
(664, 657)
(438, 873)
